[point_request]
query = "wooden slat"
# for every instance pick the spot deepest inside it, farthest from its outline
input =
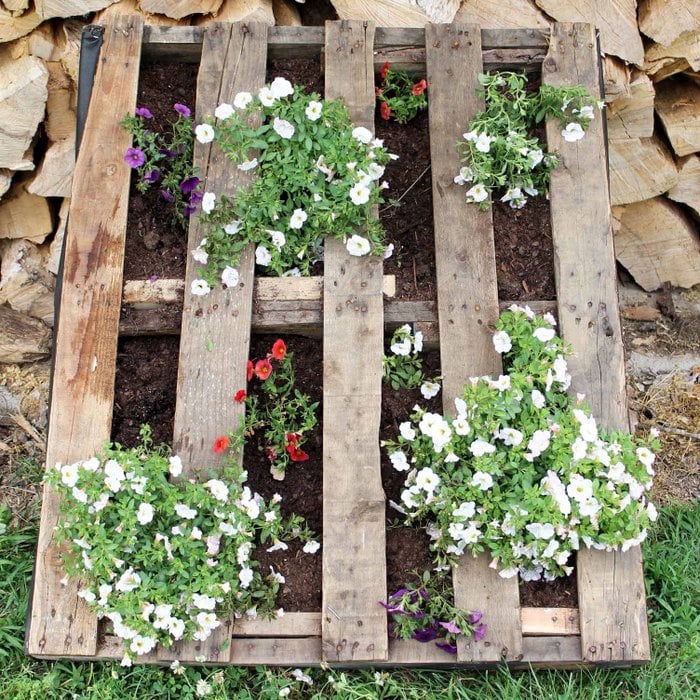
(286, 651)
(467, 303)
(549, 621)
(610, 585)
(295, 624)
(215, 336)
(86, 334)
(354, 625)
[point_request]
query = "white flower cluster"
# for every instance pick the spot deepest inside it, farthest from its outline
(521, 468)
(184, 547)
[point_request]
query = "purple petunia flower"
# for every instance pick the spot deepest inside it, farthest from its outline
(167, 196)
(450, 627)
(393, 609)
(480, 631)
(188, 184)
(446, 646)
(152, 176)
(196, 197)
(152, 279)
(425, 635)
(184, 110)
(189, 210)
(144, 112)
(475, 617)
(134, 157)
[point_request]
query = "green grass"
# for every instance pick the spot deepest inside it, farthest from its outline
(672, 564)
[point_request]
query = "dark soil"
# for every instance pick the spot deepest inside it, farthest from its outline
(147, 367)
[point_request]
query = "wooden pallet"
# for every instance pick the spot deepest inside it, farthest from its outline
(348, 308)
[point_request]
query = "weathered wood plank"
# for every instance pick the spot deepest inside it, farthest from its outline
(467, 303)
(86, 334)
(354, 626)
(549, 621)
(610, 585)
(294, 624)
(216, 328)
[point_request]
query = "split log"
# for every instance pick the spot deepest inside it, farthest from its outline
(177, 9)
(70, 57)
(442, 11)
(492, 14)
(69, 8)
(385, 13)
(132, 7)
(684, 53)
(665, 20)
(678, 106)
(240, 11)
(640, 169)
(24, 215)
(12, 27)
(616, 78)
(25, 283)
(23, 92)
(61, 104)
(687, 190)
(55, 174)
(616, 19)
(22, 338)
(5, 181)
(42, 43)
(16, 7)
(657, 243)
(633, 116)
(56, 247)
(286, 13)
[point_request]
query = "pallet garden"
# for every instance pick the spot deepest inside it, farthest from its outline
(350, 308)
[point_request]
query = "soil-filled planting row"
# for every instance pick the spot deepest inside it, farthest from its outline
(145, 390)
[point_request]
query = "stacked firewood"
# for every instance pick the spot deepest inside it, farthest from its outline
(652, 90)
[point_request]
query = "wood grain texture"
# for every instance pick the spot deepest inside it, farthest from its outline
(467, 303)
(549, 621)
(215, 336)
(86, 335)
(354, 626)
(611, 585)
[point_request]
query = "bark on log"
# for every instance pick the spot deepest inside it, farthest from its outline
(286, 13)
(25, 283)
(69, 8)
(23, 92)
(24, 215)
(177, 9)
(665, 20)
(640, 169)
(385, 13)
(492, 14)
(633, 116)
(616, 78)
(678, 106)
(56, 246)
(616, 19)
(657, 243)
(55, 174)
(12, 27)
(684, 53)
(70, 58)
(22, 338)
(240, 11)
(687, 190)
(61, 104)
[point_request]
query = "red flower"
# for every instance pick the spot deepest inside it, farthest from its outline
(292, 439)
(240, 396)
(298, 455)
(271, 453)
(384, 70)
(250, 369)
(384, 110)
(419, 87)
(263, 369)
(377, 91)
(279, 349)
(221, 444)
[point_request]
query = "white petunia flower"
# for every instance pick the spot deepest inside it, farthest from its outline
(230, 276)
(586, 112)
(242, 100)
(69, 475)
(573, 132)
(579, 488)
(461, 425)
(79, 495)
(281, 87)
(399, 461)
(302, 677)
(541, 531)
(543, 334)
(358, 246)
(480, 447)
(313, 110)
(224, 111)
(537, 398)
(245, 576)
(483, 142)
(218, 489)
(175, 467)
(263, 256)
(248, 165)
(184, 511)
(128, 581)
(266, 96)
(145, 513)
(200, 255)
(311, 547)
(465, 175)
(203, 602)
(200, 288)
(233, 228)
(299, 216)
(359, 194)
(510, 436)
(283, 128)
(388, 251)
(362, 134)
(375, 171)
(402, 347)
(539, 442)
(502, 342)
(208, 202)
(478, 193)
(466, 510)
(407, 432)
(482, 480)
(427, 480)
(204, 133)
(502, 383)
(429, 389)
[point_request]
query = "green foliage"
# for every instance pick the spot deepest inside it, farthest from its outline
(403, 367)
(500, 153)
(399, 96)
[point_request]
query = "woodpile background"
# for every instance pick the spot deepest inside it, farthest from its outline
(652, 85)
